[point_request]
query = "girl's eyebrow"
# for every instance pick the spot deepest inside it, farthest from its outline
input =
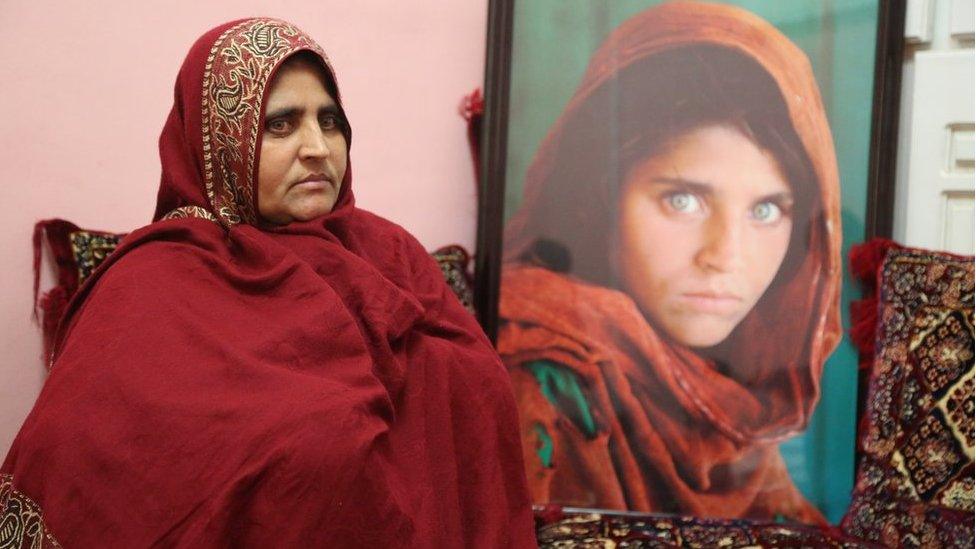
(697, 187)
(784, 197)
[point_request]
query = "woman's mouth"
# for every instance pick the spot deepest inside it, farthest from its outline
(315, 181)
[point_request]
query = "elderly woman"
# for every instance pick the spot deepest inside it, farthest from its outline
(266, 364)
(671, 283)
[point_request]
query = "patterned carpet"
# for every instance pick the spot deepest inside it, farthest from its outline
(560, 528)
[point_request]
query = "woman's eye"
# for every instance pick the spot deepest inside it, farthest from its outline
(330, 122)
(278, 126)
(766, 212)
(683, 202)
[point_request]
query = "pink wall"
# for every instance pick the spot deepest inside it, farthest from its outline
(87, 86)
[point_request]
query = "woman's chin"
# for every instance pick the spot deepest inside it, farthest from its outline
(312, 210)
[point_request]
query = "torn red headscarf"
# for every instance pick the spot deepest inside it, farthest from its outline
(219, 382)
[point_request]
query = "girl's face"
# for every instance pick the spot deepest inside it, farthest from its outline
(703, 228)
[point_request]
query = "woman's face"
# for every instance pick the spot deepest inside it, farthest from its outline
(303, 150)
(703, 228)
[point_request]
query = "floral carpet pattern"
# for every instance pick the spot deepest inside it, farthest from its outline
(915, 482)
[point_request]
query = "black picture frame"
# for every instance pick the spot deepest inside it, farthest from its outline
(493, 151)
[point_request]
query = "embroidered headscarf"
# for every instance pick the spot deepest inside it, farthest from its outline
(221, 381)
(685, 434)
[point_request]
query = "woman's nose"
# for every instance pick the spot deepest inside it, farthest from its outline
(722, 244)
(314, 143)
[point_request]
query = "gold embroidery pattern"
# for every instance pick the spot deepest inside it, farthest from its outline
(186, 212)
(90, 249)
(21, 524)
(238, 68)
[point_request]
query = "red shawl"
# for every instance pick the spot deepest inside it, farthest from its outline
(220, 383)
(675, 433)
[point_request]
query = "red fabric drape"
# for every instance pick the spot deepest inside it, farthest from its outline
(54, 302)
(676, 434)
(221, 383)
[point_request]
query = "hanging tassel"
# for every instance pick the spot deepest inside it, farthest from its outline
(547, 514)
(865, 262)
(472, 109)
(865, 259)
(53, 303)
(38, 248)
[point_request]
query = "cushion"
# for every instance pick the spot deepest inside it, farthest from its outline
(914, 485)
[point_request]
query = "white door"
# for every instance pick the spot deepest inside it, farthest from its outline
(936, 202)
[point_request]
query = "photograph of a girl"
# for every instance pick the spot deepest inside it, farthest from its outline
(670, 286)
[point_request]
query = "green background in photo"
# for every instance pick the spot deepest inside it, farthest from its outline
(552, 44)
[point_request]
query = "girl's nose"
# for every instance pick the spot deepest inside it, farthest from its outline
(722, 244)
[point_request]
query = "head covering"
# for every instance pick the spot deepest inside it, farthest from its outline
(688, 423)
(221, 382)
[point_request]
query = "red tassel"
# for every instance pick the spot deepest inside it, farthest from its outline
(472, 105)
(58, 239)
(866, 260)
(864, 320)
(53, 305)
(472, 109)
(547, 514)
(38, 234)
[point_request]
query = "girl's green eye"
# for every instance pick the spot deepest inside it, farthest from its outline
(683, 202)
(766, 212)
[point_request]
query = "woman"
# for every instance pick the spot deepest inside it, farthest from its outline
(266, 364)
(671, 283)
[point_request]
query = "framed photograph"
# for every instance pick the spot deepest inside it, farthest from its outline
(669, 191)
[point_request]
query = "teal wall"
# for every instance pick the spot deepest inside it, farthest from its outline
(552, 43)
